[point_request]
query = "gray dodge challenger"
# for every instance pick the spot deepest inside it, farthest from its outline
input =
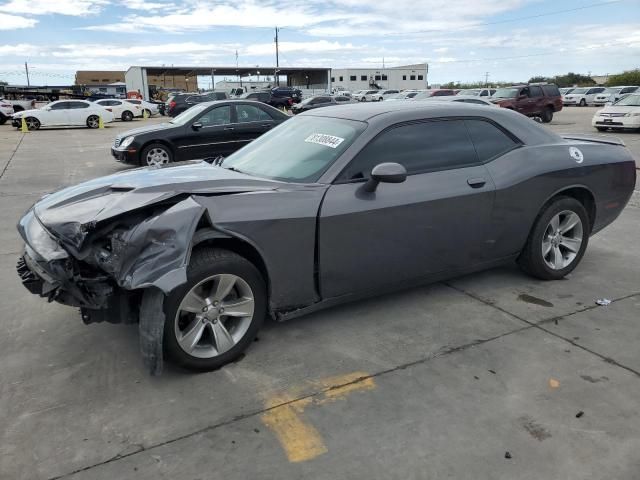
(333, 205)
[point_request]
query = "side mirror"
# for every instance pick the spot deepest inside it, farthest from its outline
(385, 173)
(47, 108)
(196, 126)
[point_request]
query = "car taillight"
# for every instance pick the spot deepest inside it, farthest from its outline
(5, 105)
(290, 101)
(109, 109)
(172, 104)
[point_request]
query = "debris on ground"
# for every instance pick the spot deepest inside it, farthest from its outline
(507, 455)
(579, 414)
(603, 302)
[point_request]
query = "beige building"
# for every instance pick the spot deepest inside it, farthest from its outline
(105, 77)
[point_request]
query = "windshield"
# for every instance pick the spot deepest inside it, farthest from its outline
(579, 91)
(629, 101)
(188, 115)
(612, 90)
(469, 91)
(397, 95)
(306, 100)
(312, 145)
(422, 95)
(506, 93)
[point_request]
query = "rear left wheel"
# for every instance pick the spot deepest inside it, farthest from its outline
(213, 318)
(547, 115)
(127, 116)
(93, 121)
(583, 103)
(557, 241)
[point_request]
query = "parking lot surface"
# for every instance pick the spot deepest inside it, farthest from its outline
(490, 376)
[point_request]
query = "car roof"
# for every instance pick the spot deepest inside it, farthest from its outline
(388, 113)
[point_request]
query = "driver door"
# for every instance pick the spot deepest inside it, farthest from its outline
(435, 221)
(210, 135)
(58, 114)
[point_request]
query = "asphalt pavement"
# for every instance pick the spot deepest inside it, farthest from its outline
(490, 376)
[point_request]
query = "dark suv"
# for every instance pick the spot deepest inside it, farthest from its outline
(268, 98)
(184, 101)
(533, 100)
(287, 92)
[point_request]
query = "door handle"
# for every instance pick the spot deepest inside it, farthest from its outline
(229, 128)
(267, 125)
(476, 182)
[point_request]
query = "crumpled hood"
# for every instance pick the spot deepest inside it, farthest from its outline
(72, 212)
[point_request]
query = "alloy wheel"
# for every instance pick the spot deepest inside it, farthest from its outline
(562, 240)
(214, 316)
(157, 156)
(93, 121)
(32, 123)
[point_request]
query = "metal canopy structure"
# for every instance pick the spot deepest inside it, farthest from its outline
(140, 77)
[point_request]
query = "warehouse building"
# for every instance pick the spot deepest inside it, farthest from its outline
(400, 78)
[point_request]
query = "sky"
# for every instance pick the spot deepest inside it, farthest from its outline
(461, 40)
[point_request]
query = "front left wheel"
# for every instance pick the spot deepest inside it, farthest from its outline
(214, 317)
(557, 241)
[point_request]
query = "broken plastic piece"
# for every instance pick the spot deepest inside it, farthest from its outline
(579, 414)
(507, 455)
(603, 302)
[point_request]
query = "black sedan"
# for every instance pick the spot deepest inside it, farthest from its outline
(206, 131)
(320, 101)
(363, 200)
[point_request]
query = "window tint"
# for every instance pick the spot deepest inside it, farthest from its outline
(216, 116)
(333, 79)
(352, 78)
(489, 140)
(251, 113)
(322, 100)
(363, 78)
(404, 77)
(535, 91)
(551, 90)
(419, 147)
(384, 77)
(60, 106)
(341, 79)
(135, 102)
(378, 77)
(420, 77)
(75, 105)
(412, 77)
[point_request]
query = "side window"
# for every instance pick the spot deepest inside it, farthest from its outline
(322, 100)
(76, 105)
(535, 91)
(251, 113)
(489, 140)
(216, 116)
(363, 78)
(419, 147)
(352, 78)
(60, 106)
(549, 90)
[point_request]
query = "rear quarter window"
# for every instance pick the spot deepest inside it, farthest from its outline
(489, 141)
(551, 90)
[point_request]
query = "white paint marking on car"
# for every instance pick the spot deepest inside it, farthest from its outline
(576, 154)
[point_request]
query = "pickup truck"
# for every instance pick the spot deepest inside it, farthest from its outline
(20, 105)
(533, 100)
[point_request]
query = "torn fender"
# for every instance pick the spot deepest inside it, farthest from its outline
(156, 251)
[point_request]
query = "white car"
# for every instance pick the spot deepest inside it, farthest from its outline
(406, 95)
(381, 95)
(612, 94)
(64, 112)
(477, 92)
(151, 108)
(6, 111)
(361, 96)
(582, 96)
(624, 114)
(475, 99)
(121, 109)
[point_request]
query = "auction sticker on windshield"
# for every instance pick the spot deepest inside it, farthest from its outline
(323, 139)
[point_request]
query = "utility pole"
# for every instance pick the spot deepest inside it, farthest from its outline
(486, 79)
(26, 69)
(277, 59)
(212, 80)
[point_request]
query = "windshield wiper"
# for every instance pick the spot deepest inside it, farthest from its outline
(234, 169)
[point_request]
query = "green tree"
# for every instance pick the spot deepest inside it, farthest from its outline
(629, 77)
(540, 79)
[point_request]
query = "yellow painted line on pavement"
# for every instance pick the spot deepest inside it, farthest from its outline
(300, 440)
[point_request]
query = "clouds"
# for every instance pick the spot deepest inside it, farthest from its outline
(15, 22)
(76, 8)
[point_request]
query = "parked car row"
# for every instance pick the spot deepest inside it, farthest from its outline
(621, 115)
(584, 96)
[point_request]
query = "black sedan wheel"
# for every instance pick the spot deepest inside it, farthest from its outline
(214, 317)
(127, 116)
(558, 240)
(155, 155)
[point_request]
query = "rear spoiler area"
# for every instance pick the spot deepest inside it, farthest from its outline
(580, 137)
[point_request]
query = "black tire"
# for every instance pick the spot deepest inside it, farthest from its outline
(3, 119)
(32, 123)
(17, 108)
(148, 148)
(583, 103)
(601, 129)
(93, 121)
(547, 115)
(204, 263)
(531, 258)
(126, 116)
